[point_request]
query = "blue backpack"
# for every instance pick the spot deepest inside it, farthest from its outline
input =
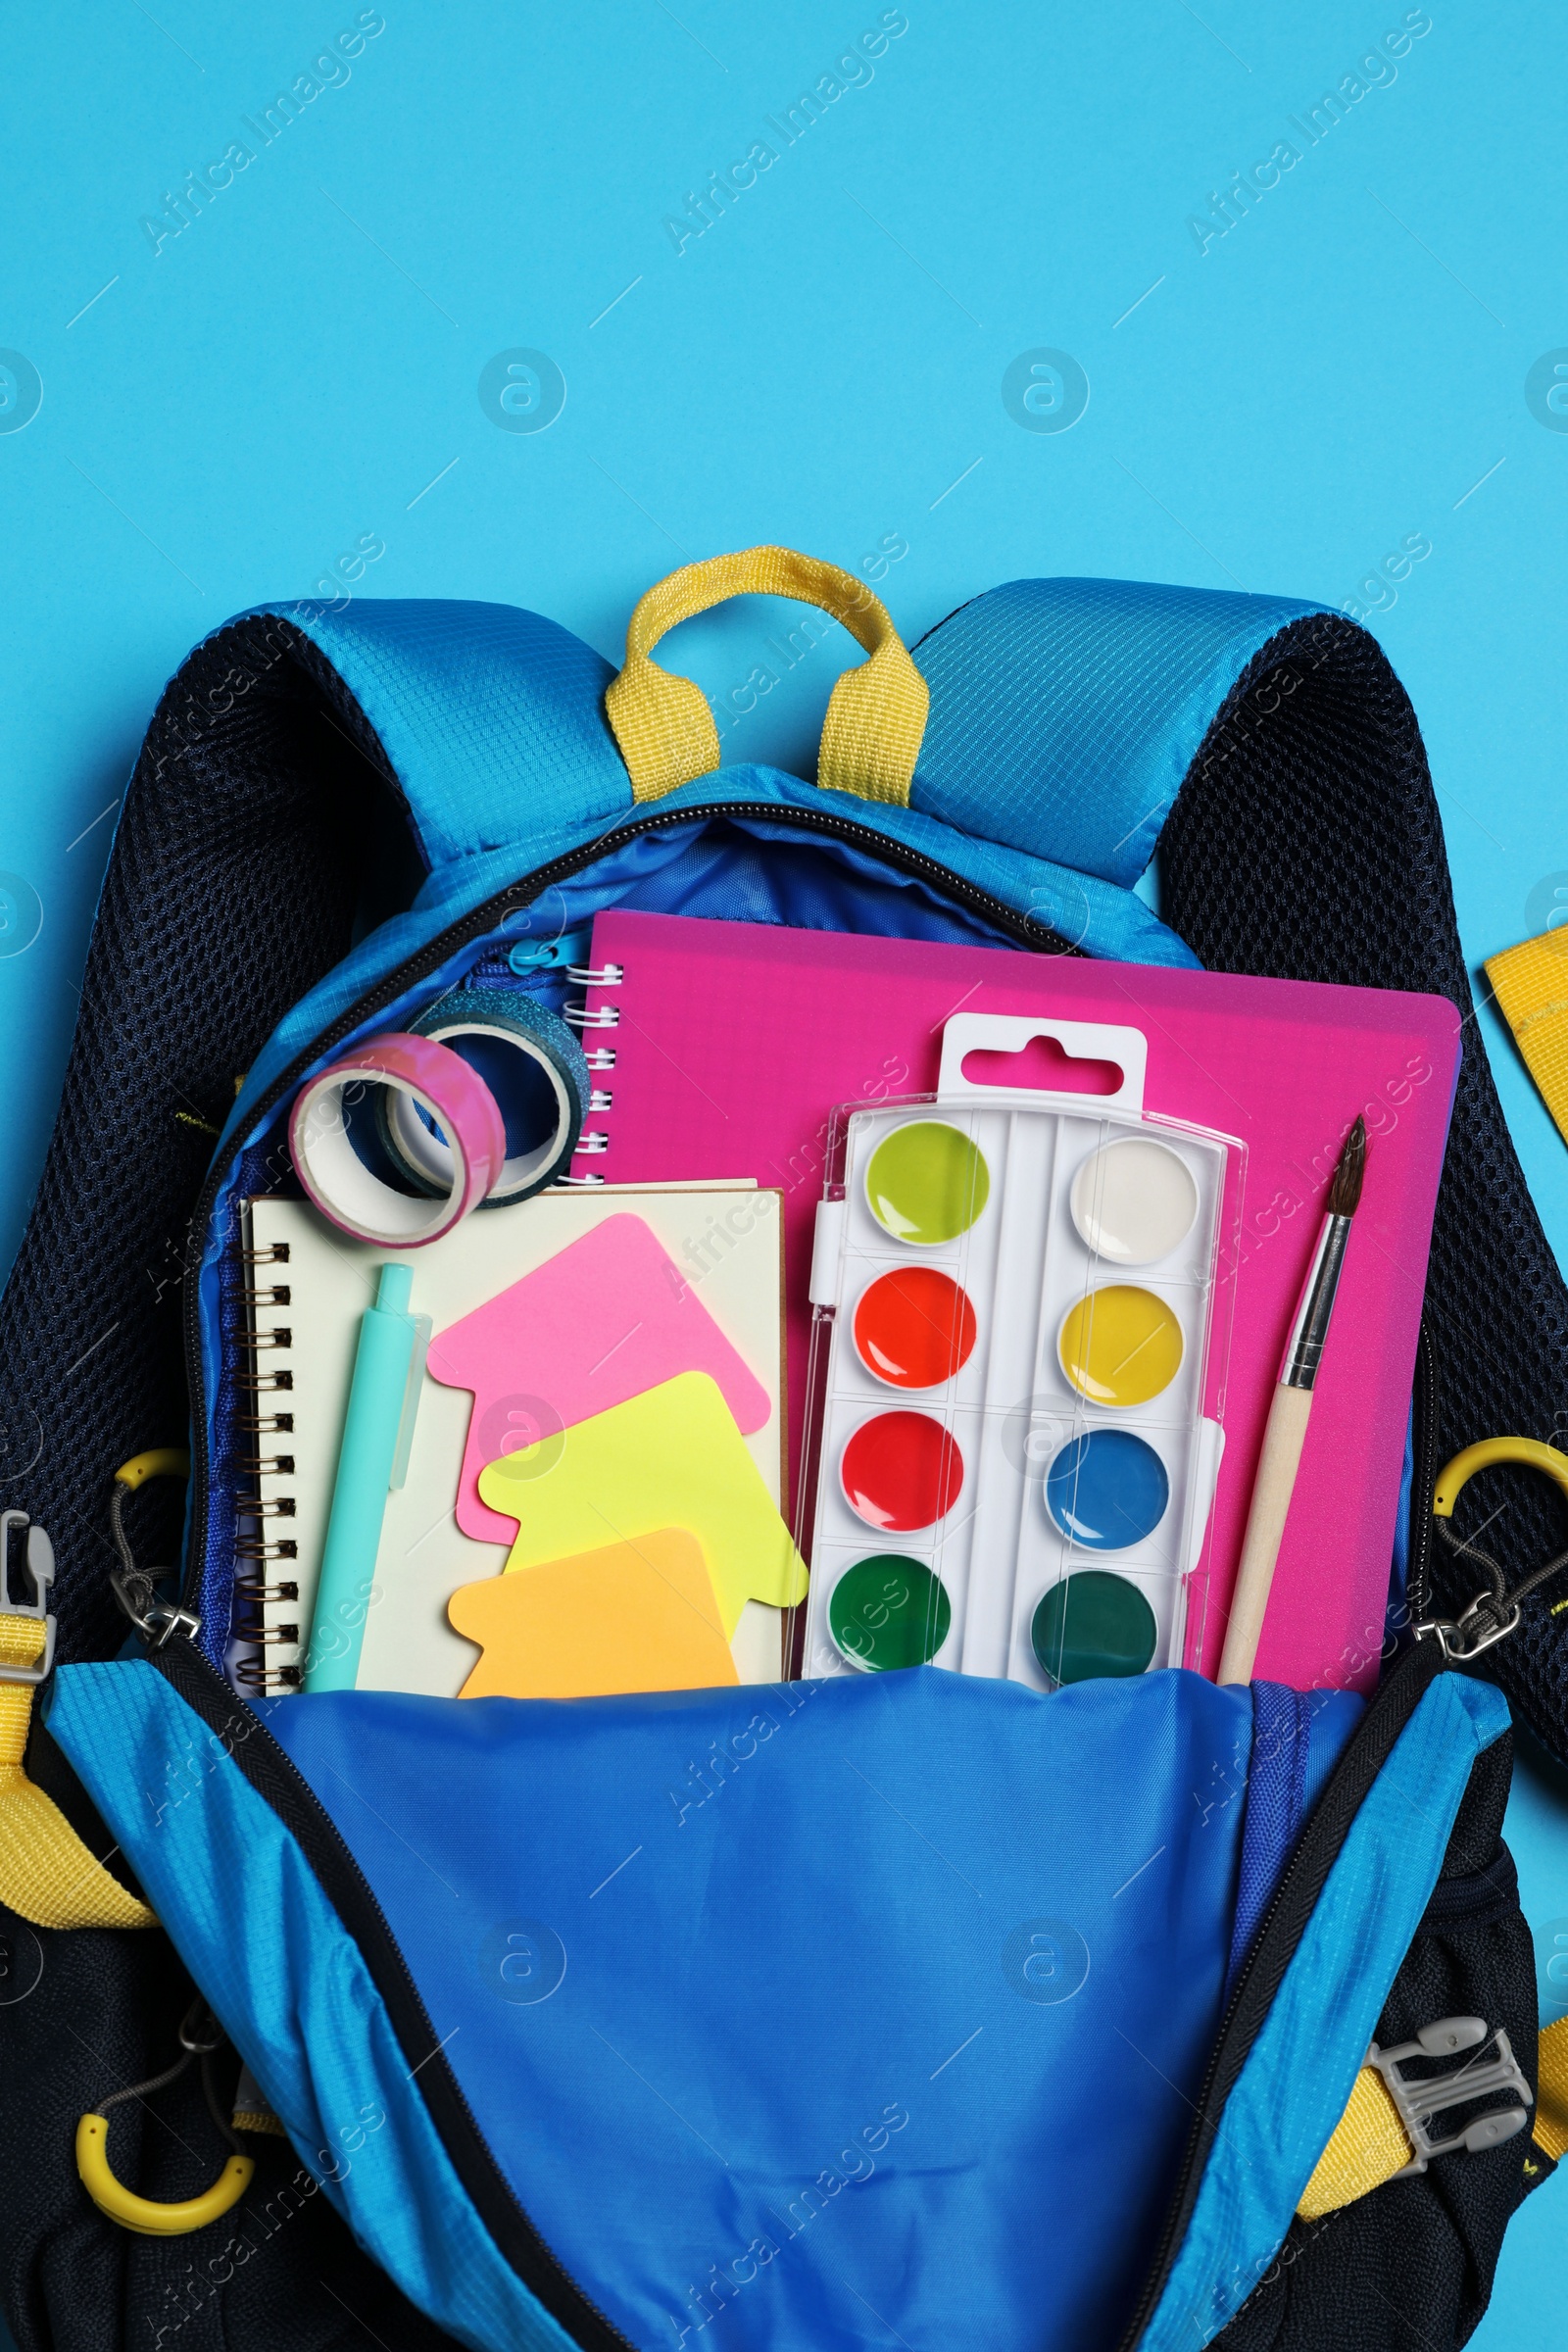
(902, 2009)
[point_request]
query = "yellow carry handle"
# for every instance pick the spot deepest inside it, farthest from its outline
(876, 713)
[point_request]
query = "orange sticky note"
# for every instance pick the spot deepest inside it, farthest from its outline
(633, 1616)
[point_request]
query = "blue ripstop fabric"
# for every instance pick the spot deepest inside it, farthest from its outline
(1279, 2116)
(1298, 1737)
(1065, 713)
(491, 715)
(289, 1986)
(754, 1992)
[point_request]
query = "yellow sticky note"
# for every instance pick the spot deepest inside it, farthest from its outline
(672, 1457)
(638, 1616)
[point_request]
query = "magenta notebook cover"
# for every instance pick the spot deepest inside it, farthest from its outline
(736, 1041)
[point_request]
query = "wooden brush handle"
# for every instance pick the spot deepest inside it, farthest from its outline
(1266, 1524)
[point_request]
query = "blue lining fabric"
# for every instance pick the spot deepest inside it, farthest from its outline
(290, 1989)
(1279, 2116)
(1298, 1737)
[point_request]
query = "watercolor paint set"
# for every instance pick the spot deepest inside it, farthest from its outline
(1017, 1375)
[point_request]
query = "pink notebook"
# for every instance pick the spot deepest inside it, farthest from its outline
(736, 1041)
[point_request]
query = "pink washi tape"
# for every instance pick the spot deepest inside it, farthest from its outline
(435, 1081)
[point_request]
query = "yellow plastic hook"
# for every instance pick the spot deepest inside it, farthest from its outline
(200, 2034)
(141, 2214)
(1533, 1452)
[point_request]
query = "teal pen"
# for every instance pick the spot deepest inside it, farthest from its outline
(364, 1471)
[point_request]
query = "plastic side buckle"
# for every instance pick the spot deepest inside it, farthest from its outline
(40, 1562)
(1419, 2103)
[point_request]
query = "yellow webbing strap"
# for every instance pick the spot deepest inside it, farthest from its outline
(258, 2118)
(875, 717)
(1368, 2145)
(1551, 2128)
(1531, 985)
(46, 1873)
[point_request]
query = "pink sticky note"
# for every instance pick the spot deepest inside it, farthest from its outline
(604, 1320)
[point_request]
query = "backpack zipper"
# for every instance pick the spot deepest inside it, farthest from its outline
(1424, 1473)
(1274, 1945)
(474, 925)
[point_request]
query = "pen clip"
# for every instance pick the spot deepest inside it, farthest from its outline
(423, 1327)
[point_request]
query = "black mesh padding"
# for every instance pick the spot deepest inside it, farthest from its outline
(238, 871)
(1307, 843)
(255, 840)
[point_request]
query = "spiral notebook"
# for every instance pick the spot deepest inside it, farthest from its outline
(312, 1286)
(733, 1044)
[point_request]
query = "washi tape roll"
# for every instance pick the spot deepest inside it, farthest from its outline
(532, 1064)
(431, 1079)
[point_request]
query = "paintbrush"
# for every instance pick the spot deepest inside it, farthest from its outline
(1289, 1416)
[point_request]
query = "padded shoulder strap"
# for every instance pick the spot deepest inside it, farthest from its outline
(1306, 843)
(490, 717)
(1066, 713)
(261, 823)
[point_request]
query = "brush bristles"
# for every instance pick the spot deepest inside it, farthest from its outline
(1345, 1193)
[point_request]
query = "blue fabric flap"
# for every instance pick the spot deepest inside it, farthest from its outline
(870, 2008)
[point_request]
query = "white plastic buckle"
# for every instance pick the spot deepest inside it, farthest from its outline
(40, 1563)
(1420, 2102)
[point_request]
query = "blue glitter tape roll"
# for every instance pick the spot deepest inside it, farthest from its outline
(532, 1063)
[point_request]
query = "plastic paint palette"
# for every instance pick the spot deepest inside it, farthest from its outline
(1015, 1307)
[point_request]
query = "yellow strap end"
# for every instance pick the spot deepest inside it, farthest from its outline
(1531, 986)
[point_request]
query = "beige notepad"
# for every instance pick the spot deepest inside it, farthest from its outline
(726, 1240)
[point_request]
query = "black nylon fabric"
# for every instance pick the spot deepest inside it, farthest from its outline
(1307, 843)
(1413, 2264)
(279, 2273)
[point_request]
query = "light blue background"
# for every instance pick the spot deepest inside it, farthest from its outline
(297, 373)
